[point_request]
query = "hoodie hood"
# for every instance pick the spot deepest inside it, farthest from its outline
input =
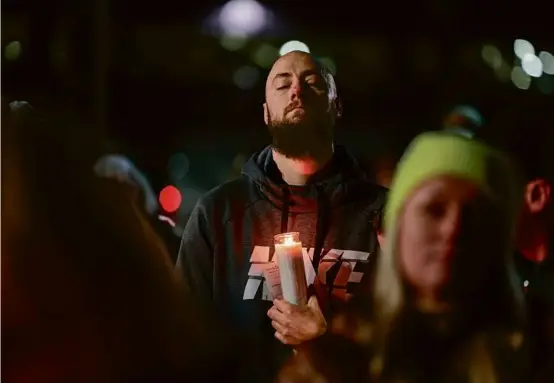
(435, 154)
(341, 181)
(337, 182)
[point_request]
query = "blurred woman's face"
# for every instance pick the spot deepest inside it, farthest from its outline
(443, 237)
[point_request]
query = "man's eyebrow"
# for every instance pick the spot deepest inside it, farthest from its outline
(306, 73)
(310, 72)
(281, 75)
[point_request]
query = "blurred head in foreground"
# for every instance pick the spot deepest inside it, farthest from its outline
(449, 220)
(88, 293)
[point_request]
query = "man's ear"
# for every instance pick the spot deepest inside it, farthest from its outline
(266, 114)
(537, 195)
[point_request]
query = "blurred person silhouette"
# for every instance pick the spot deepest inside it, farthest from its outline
(302, 182)
(122, 169)
(446, 306)
(526, 133)
(88, 292)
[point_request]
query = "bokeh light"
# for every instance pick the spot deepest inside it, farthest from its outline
(233, 43)
(531, 65)
(293, 45)
(265, 55)
(242, 18)
(178, 166)
(520, 79)
(492, 56)
(523, 47)
(246, 77)
(238, 162)
(12, 51)
(170, 199)
(504, 72)
(547, 60)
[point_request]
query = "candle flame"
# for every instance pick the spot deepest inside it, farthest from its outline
(288, 240)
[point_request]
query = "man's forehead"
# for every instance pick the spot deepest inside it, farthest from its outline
(293, 62)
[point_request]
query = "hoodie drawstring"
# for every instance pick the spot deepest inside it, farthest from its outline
(285, 210)
(321, 228)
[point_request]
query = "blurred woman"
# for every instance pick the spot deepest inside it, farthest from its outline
(446, 306)
(88, 292)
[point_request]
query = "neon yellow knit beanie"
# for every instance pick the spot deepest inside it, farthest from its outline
(438, 153)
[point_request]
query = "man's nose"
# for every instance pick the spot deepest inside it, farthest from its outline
(296, 90)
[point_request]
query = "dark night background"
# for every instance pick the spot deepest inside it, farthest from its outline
(152, 77)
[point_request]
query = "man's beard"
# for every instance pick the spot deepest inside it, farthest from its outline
(299, 140)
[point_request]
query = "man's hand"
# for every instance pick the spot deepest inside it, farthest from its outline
(295, 324)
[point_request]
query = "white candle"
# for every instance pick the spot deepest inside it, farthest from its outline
(288, 250)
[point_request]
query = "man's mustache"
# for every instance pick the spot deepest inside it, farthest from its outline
(293, 106)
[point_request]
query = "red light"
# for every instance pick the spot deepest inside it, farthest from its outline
(170, 198)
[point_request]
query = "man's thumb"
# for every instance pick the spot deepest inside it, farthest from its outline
(313, 303)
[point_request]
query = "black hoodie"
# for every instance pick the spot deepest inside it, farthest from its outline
(228, 240)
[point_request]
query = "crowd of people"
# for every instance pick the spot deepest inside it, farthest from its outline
(445, 275)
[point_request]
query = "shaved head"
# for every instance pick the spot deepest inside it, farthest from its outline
(280, 65)
(301, 105)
